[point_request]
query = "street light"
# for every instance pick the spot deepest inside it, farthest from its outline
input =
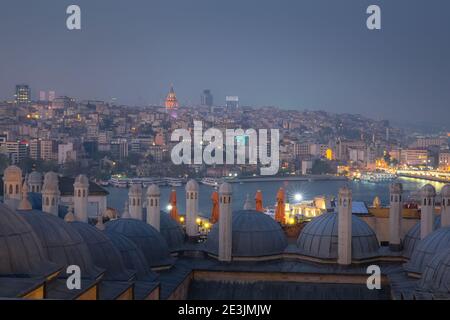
(298, 197)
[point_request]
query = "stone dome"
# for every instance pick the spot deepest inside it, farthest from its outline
(62, 243)
(35, 177)
(12, 173)
(428, 191)
(171, 231)
(153, 190)
(255, 234)
(412, 238)
(319, 238)
(21, 250)
(103, 252)
(132, 256)
(432, 244)
(192, 185)
(445, 191)
(436, 275)
(146, 238)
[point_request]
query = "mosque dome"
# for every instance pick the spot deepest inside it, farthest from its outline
(192, 185)
(428, 191)
(255, 234)
(103, 252)
(436, 275)
(146, 238)
(12, 173)
(412, 238)
(445, 191)
(132, 256)
(432, 244)
(153, 190)
(62, 243)
(319, 238)
(35, 177)
(171, 231)
(21, 250)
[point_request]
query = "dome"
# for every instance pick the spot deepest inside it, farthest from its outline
(192, 185)
(396, 188)
(12, 173)
(103, 252)
(436, 275)
(153, 190)
(412, 238)
(428, 191)
(171, 231)
(225, 188)
(21, 251)
(62, 243)
(146, 238)
(445, 191)
(319, 238)
(132, 256)
(255, 234)
(35, 177)
(82, 180)
(135, 189)
(432, 244)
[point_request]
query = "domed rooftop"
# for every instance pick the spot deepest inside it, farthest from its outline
(192, 185)
(12, 172)
(132, 256)
(103, 252)
(319, 238)
(436, 275)
(35, 177)
(135, 189)
(445, 191)
(432, 244)
(21, 250)
(153, 190)
(412, 238)
(255, 234)
(172, 231)
(146, 238)
(428, 191)
(62, 243)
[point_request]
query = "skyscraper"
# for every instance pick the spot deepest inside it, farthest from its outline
(171, 100)
(23, 94)
(207, 98)
(232, 102)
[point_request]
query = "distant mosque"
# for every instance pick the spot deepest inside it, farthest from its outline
(144, 253)
(171, 102)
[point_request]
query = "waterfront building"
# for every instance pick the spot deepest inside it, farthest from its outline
(22, 94)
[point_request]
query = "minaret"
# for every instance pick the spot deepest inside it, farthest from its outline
(225, 222)
(50, 193)
(35, 182)
(12, 186)
(135, 201)
(191, 208)
(428, 194)
(126, 213)
(345, 226)
(153, 206)
(445, 207)
(80, 198)
(395, 216)
(24, 203)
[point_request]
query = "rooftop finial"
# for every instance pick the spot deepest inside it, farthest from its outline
(24, 202)
(126, 213)
(100, 225)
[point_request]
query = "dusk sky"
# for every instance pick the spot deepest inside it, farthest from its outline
(296, 54)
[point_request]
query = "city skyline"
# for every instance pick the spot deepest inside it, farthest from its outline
(300, 55)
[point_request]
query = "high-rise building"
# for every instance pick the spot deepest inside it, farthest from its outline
(119, 148)
(171, 100)
(207, 98)
(42, 96)
(51, 96)
(23, 94)
(232, 102)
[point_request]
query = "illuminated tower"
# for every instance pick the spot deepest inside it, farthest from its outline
(171, 100)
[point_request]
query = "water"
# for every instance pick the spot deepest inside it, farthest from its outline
(362, 191)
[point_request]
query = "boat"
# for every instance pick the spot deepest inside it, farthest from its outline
(212, 182)
(377, 177)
